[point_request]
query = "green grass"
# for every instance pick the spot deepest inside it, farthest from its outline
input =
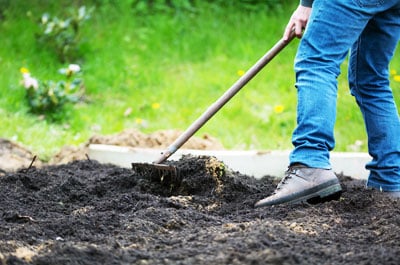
(182, 61)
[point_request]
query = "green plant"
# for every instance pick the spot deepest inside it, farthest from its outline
(47, 97)
(63, 35)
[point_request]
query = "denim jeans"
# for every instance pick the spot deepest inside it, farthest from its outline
(370, 30)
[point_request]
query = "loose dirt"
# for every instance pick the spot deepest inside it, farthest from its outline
(84, 212)
(15, 156)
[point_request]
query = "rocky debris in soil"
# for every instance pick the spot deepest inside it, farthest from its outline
(84, 212)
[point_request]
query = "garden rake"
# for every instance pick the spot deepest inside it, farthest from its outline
(164, 172)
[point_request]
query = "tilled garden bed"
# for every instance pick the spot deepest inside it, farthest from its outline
(84, 212)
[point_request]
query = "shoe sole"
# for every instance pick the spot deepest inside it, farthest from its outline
(330, 190)
(322, 193)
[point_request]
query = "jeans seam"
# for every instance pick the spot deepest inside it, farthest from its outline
(362, 3)
(356, 71)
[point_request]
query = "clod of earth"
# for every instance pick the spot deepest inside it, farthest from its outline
(85, 212)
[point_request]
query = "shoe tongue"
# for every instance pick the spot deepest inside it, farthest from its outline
(294, 167)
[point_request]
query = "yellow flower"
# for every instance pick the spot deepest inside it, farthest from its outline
(155, 105)
(393, 72)
(396, 78)
(24, 70)
(139, 121)
(279, 109)
(240, 72)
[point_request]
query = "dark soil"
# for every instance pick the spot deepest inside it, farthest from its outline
(84, 212)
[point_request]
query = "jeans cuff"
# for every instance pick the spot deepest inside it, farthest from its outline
(383, 187)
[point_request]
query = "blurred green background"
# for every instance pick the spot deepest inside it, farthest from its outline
(156, 65)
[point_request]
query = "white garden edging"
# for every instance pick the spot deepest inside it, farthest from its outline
(251, 163)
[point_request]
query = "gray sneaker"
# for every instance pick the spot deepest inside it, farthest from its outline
(304, 184)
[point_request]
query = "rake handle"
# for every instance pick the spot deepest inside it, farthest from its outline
(218, 104)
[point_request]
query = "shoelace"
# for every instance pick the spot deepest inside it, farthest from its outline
(288, 175)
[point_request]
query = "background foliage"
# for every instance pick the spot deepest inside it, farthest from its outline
(156, 65)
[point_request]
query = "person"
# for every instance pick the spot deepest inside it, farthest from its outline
(329, 29)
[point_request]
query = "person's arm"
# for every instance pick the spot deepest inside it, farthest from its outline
(298, 20)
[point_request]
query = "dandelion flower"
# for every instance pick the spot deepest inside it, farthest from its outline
(241, 72)
(155, 105)
(138, 121)
(24, 70)
(396, 78)
(279, 109)
(393, 72)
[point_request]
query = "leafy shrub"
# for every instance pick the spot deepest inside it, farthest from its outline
(63, 35)
(47, 97)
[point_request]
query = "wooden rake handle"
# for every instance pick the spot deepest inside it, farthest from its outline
(218, 104)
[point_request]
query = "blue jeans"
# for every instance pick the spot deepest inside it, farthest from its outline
(370, 30)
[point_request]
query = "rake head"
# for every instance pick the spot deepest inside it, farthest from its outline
(157, 172)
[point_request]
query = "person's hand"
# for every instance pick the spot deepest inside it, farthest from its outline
(298, 22)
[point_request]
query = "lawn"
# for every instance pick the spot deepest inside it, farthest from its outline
(157, 70)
